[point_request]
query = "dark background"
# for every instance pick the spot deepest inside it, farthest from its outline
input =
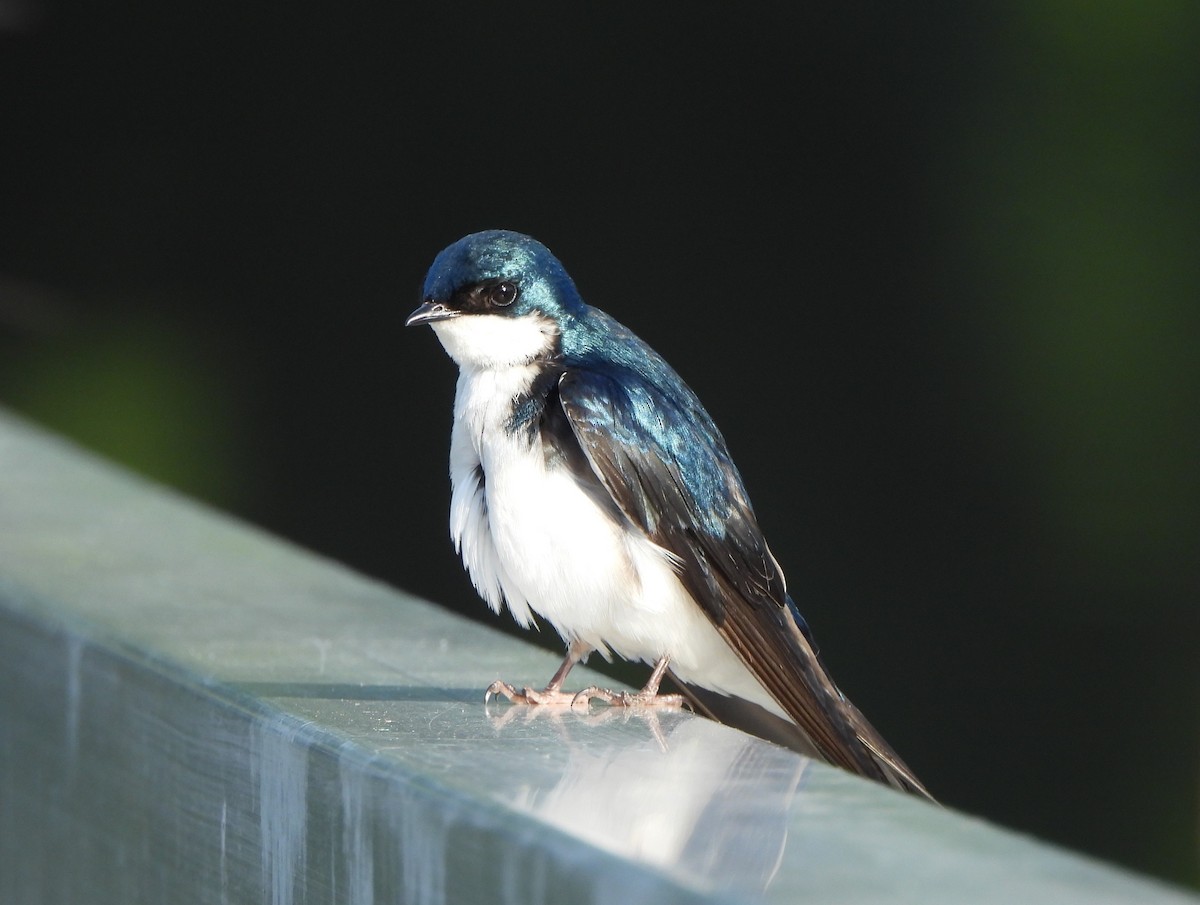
(934, 271)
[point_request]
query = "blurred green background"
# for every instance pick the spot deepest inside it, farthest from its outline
(956, 251)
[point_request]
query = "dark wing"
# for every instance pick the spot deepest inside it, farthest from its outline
(665, 465)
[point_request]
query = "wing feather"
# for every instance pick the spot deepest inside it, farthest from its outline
(666, 467)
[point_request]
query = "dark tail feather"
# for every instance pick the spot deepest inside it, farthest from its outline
(894, 771)
(749, 717)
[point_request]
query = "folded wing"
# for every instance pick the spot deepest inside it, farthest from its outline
(666, 468)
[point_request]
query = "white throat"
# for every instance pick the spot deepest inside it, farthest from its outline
(490, 341)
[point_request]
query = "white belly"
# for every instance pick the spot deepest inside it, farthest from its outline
(533, 536)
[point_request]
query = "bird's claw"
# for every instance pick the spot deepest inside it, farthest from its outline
(629, 699)
(531, 696)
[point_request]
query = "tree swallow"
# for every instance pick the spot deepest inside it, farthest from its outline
(590, 487)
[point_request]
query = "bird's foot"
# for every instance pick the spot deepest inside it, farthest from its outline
(648, 697)
(546, 697)
(643, 698)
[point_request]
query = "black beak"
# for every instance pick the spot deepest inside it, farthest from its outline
(430, 312)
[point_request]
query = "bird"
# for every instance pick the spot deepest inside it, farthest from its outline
(592, 490)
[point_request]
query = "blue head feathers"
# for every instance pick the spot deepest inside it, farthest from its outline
(499, 255)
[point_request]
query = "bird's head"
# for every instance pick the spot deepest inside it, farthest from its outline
(497, 299)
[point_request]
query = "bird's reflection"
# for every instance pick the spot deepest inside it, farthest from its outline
(675, 791)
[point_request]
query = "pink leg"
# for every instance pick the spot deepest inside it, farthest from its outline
(647, 697)
(552, 693)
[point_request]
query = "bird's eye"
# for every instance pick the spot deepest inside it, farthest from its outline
(503, 294)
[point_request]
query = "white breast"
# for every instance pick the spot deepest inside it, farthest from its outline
(532, 538)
